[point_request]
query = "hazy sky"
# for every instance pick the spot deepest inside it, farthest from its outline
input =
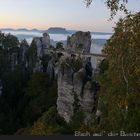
(71, 14)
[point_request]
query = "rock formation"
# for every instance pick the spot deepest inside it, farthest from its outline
(23, 53)
(51, 68)
(45, 40)
(68, 87)
(65, 92)
(75, 80)
(80, 42)
(42, 43)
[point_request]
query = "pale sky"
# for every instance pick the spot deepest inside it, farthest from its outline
(70, 14)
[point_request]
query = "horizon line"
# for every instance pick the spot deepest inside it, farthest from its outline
(3, 28)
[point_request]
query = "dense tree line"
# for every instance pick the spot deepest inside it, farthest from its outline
(25, 94)
(120, 92)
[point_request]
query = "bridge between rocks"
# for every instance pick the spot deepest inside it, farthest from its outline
(95, 58)
(67, 53)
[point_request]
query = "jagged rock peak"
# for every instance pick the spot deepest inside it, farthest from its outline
(46, 40)
(79, 42)
(42, 42)
(46, 35)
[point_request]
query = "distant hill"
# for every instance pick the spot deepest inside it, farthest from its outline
(101, 33)
(52, 30)
(57, 30)
(20, 30)
(6, 29)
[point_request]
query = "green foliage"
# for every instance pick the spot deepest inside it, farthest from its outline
(74, 63)
(113, 5)
(76, 121)
(25, 95)
(117, 5)
(41, 94)
(38, 84)
(12, 101)
(45, 59)
(59, 45)
(77, 64)
(123, 55)
(103, 66)
(9, 50)
(119, 94)
(49, 124)
(10, 41)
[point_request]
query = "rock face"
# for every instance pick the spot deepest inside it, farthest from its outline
(45, 40)
(85, 93)
(80, 42)
(88, 101)
(65, 93)
(78, 83)
(68, 87)
(23, 53)
(51, 69)
(42, 43)
(75, 83)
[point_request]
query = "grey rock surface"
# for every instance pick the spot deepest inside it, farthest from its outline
(80, 42)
